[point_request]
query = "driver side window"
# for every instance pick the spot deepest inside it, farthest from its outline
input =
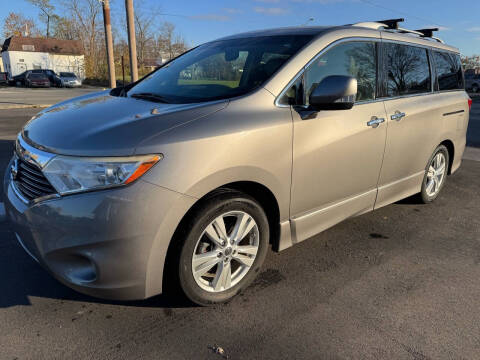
(357, 59)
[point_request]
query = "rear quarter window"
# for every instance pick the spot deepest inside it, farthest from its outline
(449, 71)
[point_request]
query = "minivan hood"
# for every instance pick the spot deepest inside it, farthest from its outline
(103, 125)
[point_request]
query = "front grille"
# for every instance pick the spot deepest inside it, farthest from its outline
(31, 182)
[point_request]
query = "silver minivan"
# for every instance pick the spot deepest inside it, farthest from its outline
(184, 179)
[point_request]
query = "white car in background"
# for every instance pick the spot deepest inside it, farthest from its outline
(69, 79)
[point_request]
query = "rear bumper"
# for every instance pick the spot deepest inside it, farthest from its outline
(98, 243)
(39, 85)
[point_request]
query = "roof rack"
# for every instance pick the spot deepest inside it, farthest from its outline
(424, 33)
(392, 24)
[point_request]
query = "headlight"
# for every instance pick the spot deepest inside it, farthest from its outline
(74, 174)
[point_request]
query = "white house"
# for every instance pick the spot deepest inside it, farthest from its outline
(25, 53)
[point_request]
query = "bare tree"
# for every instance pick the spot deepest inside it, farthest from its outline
(471, 62)
(47, 11)
(87, 16)
(65, 28)
(170, 44)
(145, 28)
(16, 24)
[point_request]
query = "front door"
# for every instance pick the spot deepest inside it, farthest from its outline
(337, 155)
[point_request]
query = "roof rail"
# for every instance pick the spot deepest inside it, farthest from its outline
(392, 24)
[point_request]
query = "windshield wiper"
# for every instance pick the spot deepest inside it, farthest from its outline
(151, 97)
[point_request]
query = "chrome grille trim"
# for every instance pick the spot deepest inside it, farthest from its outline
(28, 180)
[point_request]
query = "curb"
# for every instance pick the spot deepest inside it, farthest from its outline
(23, 106)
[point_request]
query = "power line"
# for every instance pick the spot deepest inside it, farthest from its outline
(401, 12)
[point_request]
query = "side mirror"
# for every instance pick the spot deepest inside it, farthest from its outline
(335, 92)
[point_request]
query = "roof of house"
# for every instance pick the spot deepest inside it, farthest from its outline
(54, 46)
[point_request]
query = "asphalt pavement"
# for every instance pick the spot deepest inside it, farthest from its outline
(19, 97)
(399, 283)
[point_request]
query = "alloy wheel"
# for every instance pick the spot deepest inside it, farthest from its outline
(225, 251)
(436, 174)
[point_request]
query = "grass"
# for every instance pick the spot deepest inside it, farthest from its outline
(229, 83)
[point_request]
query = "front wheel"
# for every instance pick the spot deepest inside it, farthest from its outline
(435, 174)
(223, 249)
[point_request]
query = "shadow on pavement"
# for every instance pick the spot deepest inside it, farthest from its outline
(22, 277)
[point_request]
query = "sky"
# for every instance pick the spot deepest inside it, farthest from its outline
(201, 21)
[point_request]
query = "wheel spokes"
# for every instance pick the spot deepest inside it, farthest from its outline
(243, 226)
(244, 259)
(202, 263)
(247, 249)
(430, 185)
(223, 277)
(226, 262)
(216, 231)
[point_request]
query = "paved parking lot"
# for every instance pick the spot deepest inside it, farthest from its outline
(399, 283)
(13, 97)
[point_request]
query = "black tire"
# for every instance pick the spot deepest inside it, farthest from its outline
(424, 196)
(186, 241)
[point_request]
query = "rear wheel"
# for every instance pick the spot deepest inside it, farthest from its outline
(435, 174)
(223, 248)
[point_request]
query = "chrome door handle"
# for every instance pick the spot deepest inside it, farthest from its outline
(374, 122)
(397, 116)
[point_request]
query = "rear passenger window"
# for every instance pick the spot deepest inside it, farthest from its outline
(356, 59)
(449, 71)
(408, 70)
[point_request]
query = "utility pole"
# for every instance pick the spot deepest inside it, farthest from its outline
(132, 45)
(109, 43)
(48, 21)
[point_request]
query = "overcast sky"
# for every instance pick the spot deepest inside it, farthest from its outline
(200, 21)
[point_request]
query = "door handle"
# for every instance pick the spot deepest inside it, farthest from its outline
(398, 115)
(375, 121)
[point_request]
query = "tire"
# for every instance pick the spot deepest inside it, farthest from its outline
(194, 243)
(436, 173)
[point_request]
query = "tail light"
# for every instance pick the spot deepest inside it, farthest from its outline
(470, 102)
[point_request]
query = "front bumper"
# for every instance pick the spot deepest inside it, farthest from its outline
(98, 243)
(72, 84)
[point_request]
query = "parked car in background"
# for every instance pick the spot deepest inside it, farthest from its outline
(69, 79)
(36, 80)
(18, 80)
(472, 82)
(51, 75)
(186, 177)
(3, 77)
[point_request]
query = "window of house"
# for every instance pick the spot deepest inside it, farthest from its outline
(408, 70)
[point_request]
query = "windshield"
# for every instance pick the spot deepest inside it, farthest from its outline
(36, 76)
(219, 70)
(67, 74)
